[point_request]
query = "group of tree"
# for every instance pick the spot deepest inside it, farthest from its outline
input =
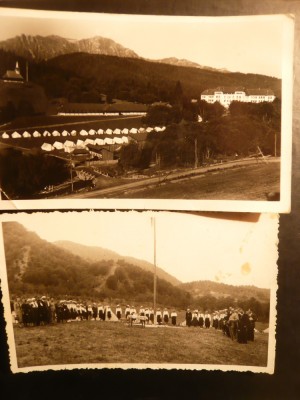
(23, 174)
(221, 134)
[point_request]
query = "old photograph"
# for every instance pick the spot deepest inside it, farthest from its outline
(139, 290)
(151, 112)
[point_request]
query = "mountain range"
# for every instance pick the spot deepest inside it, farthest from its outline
(35, 266)
(42, 48)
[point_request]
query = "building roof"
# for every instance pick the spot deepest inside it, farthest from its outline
(13, 75)
(260, 92)
(233, 89)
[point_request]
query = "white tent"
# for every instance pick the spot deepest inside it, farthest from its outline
(55, 133)
(83, 133)
(163, 128)
(118, 140)
(47, 147)
(141, 130)
(36, 134)
(58, 145)
(157, 129)
(133, 130)
(100, 131)
(80, 143)
(108, 141)
(26, 135)
(125, 131)
(117, 131)
(108, 131)
(99, 142)
(125, 139)
(65, 133)
(46, 133)
(92, 132)
(89, 141)
(5, 135)
(73, 133)
(16, 135)
(69, 143)
(149, 129)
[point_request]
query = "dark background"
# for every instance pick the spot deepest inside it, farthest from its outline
(285, 383)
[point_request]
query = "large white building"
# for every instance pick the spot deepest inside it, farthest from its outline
(225, 95)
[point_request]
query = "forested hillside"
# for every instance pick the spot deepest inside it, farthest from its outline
(80, 77)
(35, 266)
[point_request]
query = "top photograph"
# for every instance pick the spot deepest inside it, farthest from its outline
(115, 111)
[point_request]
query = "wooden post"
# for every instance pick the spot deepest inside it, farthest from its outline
(196, 153)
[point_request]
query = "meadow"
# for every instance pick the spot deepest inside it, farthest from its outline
(116, 342)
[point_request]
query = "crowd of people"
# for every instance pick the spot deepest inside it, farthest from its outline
(44, 310)
(234, 323)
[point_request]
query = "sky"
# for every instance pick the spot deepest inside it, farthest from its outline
(250, 44)
(188, 247)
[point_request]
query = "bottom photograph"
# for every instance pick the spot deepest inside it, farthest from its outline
(161, 290)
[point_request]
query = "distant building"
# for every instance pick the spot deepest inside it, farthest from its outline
(13, 75)
(226, 95)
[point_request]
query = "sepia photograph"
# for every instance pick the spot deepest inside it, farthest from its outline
(127, 290)
(145, 112)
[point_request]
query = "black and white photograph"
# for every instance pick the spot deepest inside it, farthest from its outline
(159, 290)
(145, 112)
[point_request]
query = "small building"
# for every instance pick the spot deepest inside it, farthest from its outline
(13, 76)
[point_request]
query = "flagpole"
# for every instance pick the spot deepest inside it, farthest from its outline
(154, 261)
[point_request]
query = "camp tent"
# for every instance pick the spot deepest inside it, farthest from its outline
(5, 135)
(89, 141)
(55, 133)
(65, 133)
(16, 135)
(125, 131)
(108, 141)
(47, 147)
(133, 130)
(58, 145)
(26, 135)
(149, 129)
(124, 139)
(46, 133)
(117, 131)
(80, 144)
(92, 132)
(100, 131)
(108, 131)
(83, 133)
(36, 134)
(99, 142)
(73, 133)
(141, 130)
(118, 140)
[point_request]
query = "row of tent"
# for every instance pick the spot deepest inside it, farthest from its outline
(91, 132)
(68, 146)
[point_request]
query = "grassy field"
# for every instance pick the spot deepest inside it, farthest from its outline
(250, 182)
(115, 342)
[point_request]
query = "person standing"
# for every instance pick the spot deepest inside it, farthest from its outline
(207, 320)
(158, 317)
(173, 317)
(188, 317)
(119, 312)
(127, 311)
(166, 316)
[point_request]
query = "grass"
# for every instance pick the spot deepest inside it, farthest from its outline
(250, 182)
(113, 342)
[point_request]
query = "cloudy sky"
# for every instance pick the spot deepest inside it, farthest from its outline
(189, 247)
(246, 44)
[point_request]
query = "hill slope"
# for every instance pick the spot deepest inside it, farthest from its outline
(35, 266)
(207, 288)
(92, 254)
